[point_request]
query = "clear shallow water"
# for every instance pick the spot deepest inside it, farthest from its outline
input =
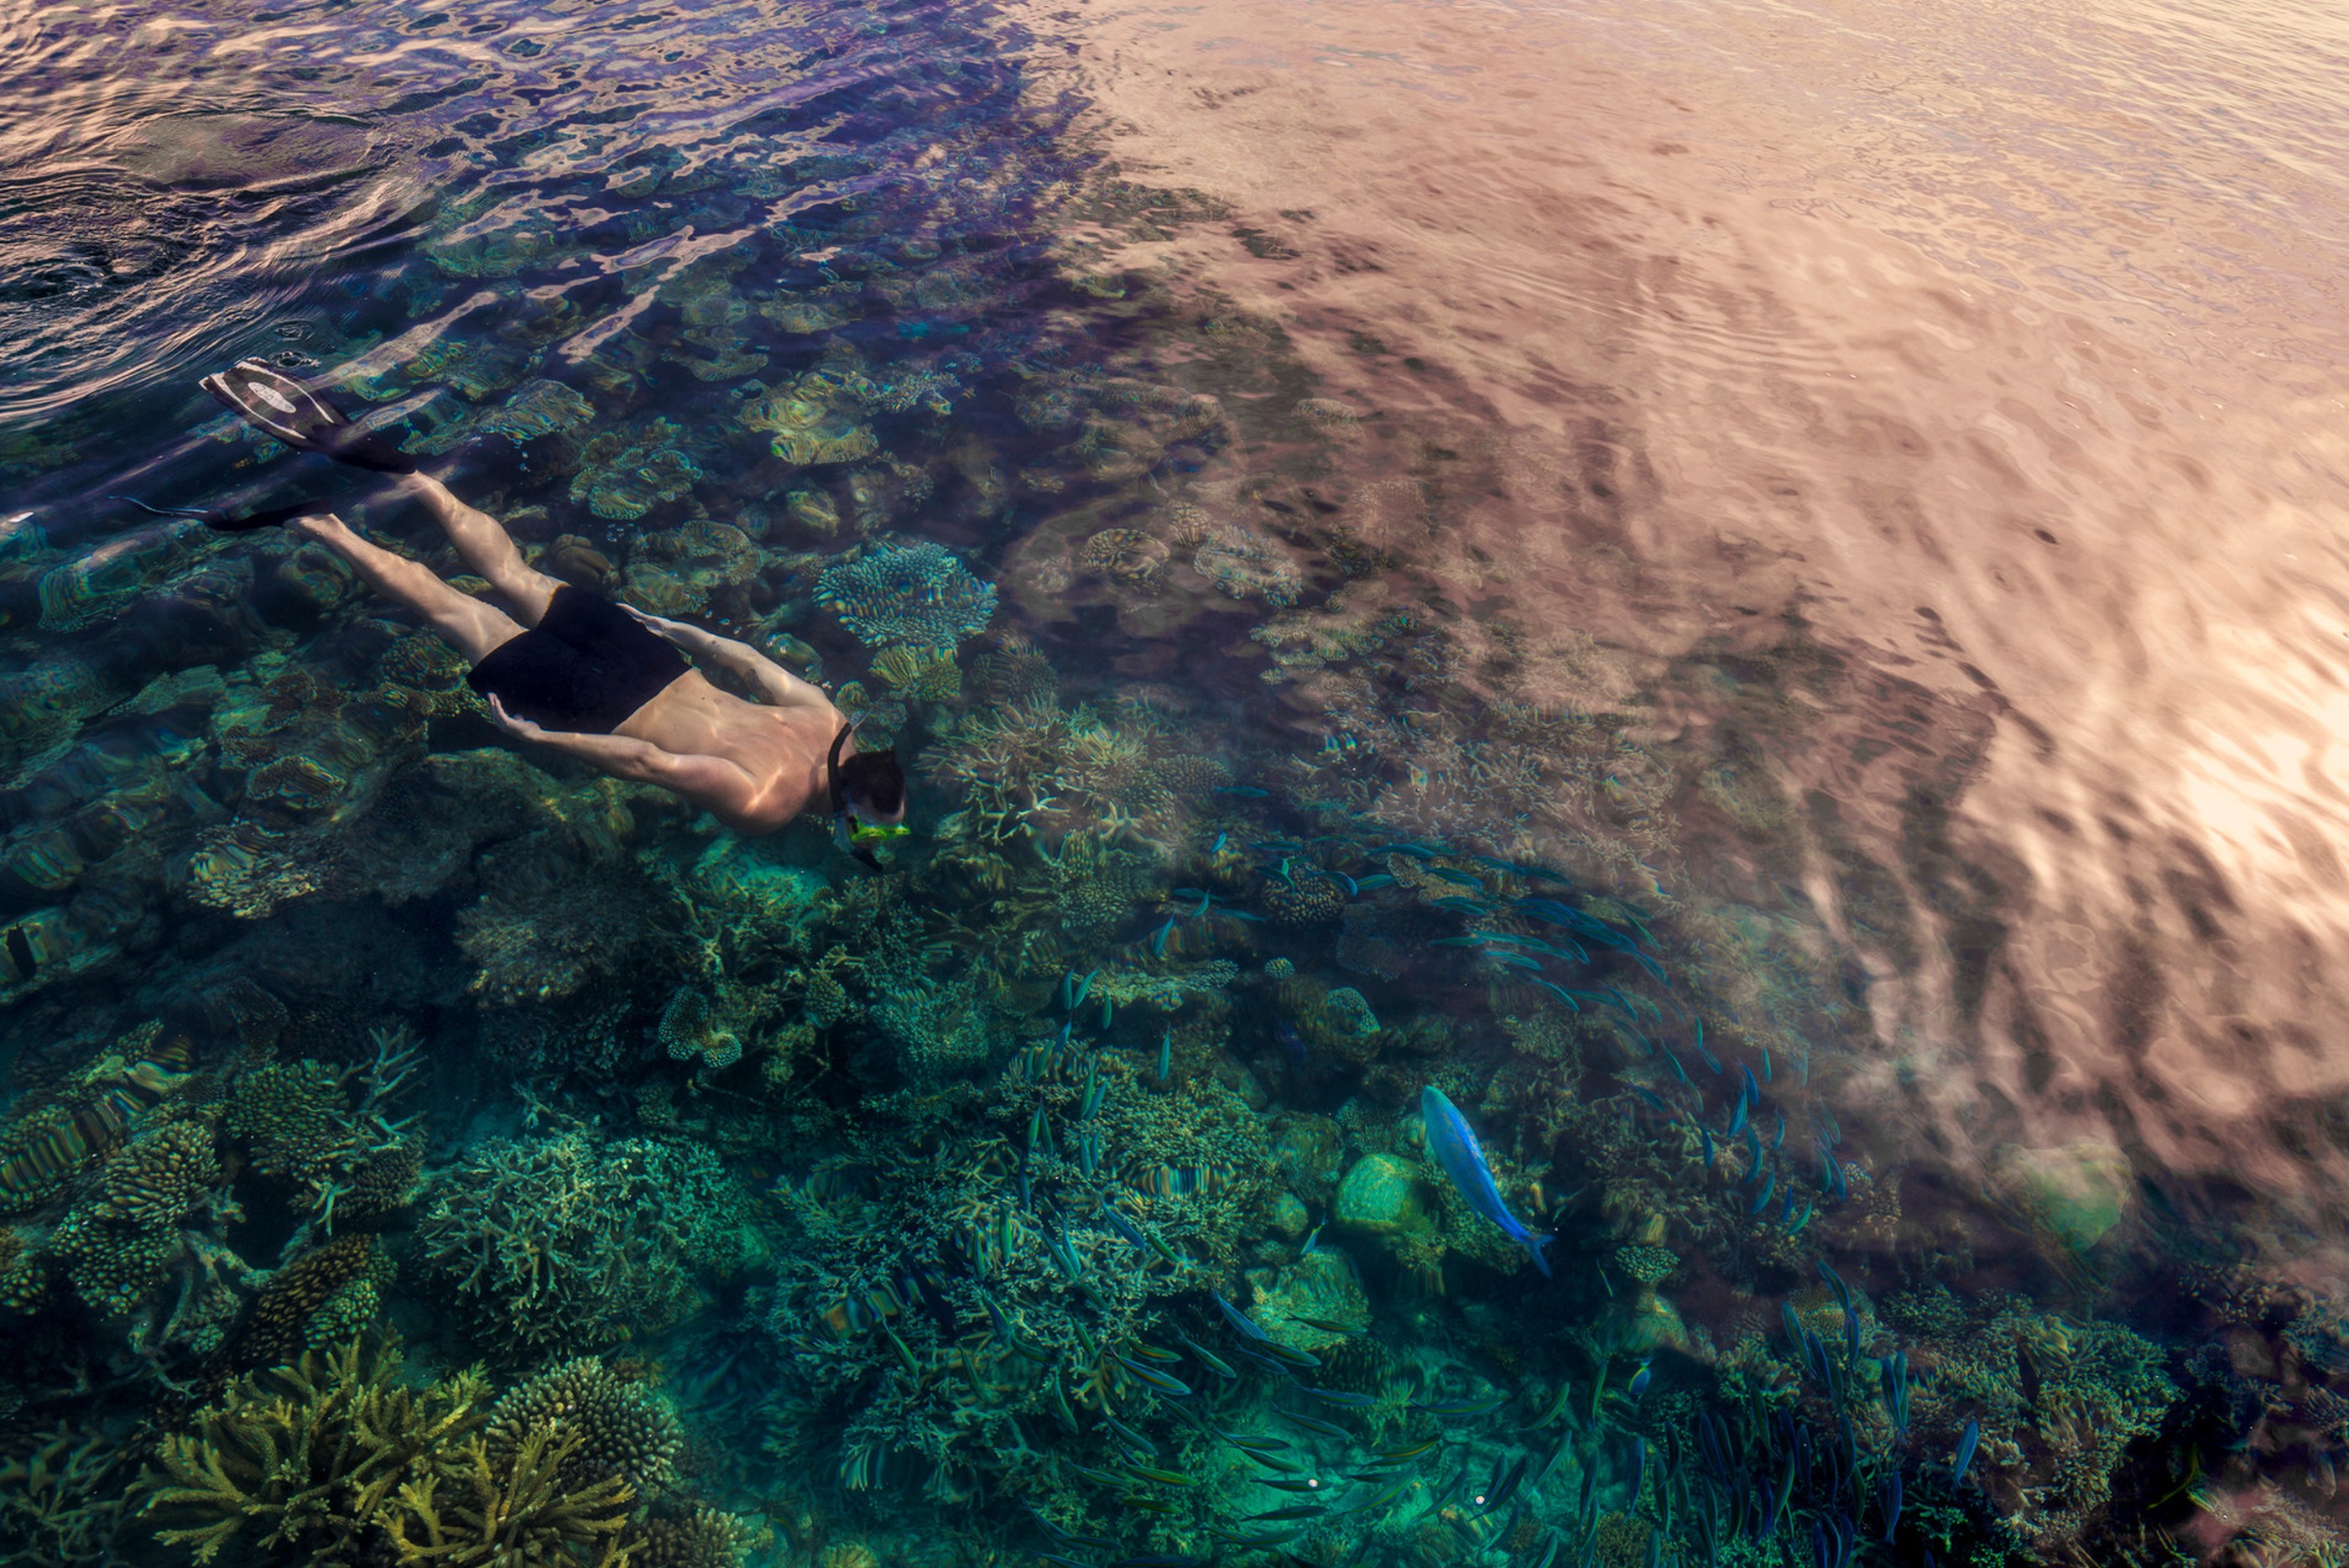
(1837, 503)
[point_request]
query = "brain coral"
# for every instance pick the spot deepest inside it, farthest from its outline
(913, 596)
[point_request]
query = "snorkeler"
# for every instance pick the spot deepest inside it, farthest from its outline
(575, 672)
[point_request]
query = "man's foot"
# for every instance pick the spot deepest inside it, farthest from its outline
(278, 405)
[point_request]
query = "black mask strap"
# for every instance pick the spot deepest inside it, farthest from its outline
(838, 790)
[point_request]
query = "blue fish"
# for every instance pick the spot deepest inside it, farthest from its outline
(1762, 1198)
(1380, 879)
(1165, 1053)
(1246, 792)
(1563, 994)
(1124, 1227)
(1453, 1144)
(1707, 1137)
(1967, 1441)
(1737, 1121)
(1752, 1089)
(1640, 1381)
(1517, 960)
(1891, 1505)
(1240, 1322)
(1158, 942)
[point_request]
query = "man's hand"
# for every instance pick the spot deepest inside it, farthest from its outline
(668, 630)
(513, 724)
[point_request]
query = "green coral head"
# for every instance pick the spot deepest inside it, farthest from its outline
(914, 595)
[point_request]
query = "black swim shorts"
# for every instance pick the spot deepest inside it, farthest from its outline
(586, 666)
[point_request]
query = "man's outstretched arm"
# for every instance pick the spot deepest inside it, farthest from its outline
(722, 786)
(779, 686)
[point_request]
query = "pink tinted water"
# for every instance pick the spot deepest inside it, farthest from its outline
(1995, 352)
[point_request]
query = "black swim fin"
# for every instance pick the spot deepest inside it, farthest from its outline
(222, 520)
(277, 404)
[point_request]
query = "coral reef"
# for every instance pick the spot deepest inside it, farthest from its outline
(306, 1459)
(914, 596)
(624, 1429)
(554, 1244)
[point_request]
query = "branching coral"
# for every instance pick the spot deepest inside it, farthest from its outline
(63, 1503)
(625, 1430)
(564, 1243)
(305, 1459)
(114, 1245)
(940, 1291)
(298, 1123)
(511, 1508)
(335, 1461)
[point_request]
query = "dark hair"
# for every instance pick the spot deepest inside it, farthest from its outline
(874, 779)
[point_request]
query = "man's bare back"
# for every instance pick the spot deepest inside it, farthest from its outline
(752, 765)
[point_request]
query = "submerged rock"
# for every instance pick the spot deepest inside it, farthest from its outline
(2074, 1192)
(1385, 1196)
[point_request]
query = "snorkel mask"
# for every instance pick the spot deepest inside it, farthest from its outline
(853, 835)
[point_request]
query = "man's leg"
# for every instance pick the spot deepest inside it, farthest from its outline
(473, 628)
(486, 546)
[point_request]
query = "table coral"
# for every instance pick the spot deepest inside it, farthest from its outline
(624, 475)
(540, 408)
(917, 595)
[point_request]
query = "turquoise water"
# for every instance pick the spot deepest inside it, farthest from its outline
(419, 1151)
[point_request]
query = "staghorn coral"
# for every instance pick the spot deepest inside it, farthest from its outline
(558, 912)
(2059, 1400)
(335, 1462)
(914, 596)
(307, 1459)
(514, 1509)
(299, 1123)
(924, 675)
(564, 1243)
(64, 1502)
(1244, 565)
(919, 1395)
(623, 1428)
